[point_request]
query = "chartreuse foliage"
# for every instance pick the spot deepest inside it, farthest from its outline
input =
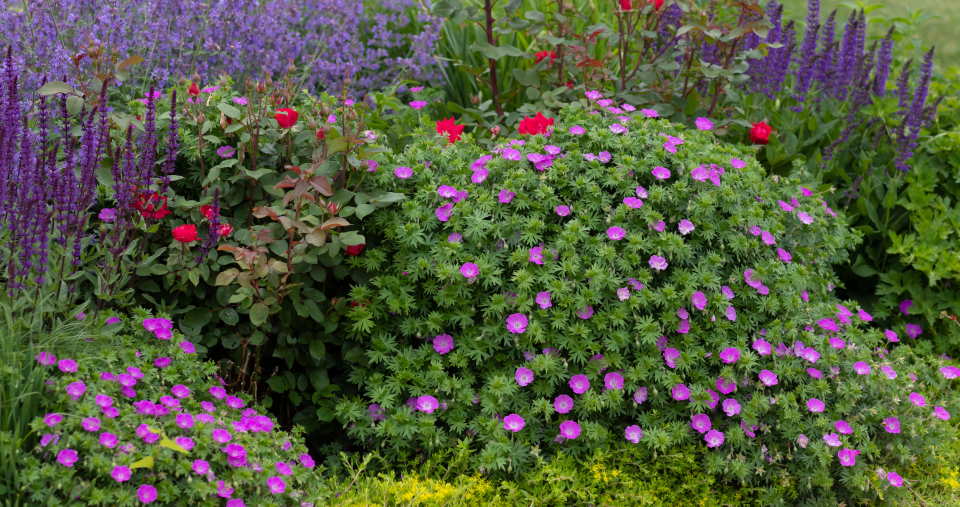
(650, 277)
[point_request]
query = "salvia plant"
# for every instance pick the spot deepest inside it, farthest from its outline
(608, 278)
(148, 422)
(336, 43)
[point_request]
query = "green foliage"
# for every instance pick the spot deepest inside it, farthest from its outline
(418, 291)
(151, 441)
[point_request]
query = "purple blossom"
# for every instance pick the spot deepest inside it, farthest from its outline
(523, 376)
(731, 407)
(815, 406)
(616, 233)
(403, 172)
(426, 404)
(658, 263)
(685, 227)
(848, 457)
(713, 438)
(640, 395)
(443, 344)
(579, 383)
(67, 457)
(660, 173)
(703, 123)
(768, 378)
(517, 323)
(505, 196)
(514, 423)
(941, 413)
(917, 399)
(633, 433)
(562, 210)
(680, 392)
(543, 300)
(563, 404)
(832, 439)
(701, 423)
(724, 386)
(469, 270)
(891, 425)
(577, 130)
(613, 381)
(569, 430)
(585, 313)
(146, 493)
(536, 255)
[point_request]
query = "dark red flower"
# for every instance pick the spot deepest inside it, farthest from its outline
(657, 4)
(153, 206)
(286, 117)
(208, 212)
(355, 249)
(186, 233)
(450, 128)
(194, 90)
(534, 125)
(321, 134)
(625, 5)
(224, 230)
(540, 55)
(760, 133)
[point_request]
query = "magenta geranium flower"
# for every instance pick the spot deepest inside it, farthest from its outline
(52, 419)
(67, 457)
(444, 212)
(832, 439)
(563, 404)
(616, 233)
(613, 381)
(517, 323)
(443, 343)
(221, 436)
(569, 430)
(469, 270)
(523, 376)
(67, 365)
(120, 473)
(941, 413)
(146, 493)
(703, 123)
(894, 479)
(514, 423)
(848, 457)
(889, 372)
(562, 210)
(768, 378)
(730, 355)
(762, 347)
(633, 433)
(579, 383)
(660, 173)
(658, 263)
(200, 466)
(543, 300)
(617, 128)
(730, 406)
(577, 130)
(427, 404)
(670, 356)
(724, 386)
(585, 313)
(276, 485)
(861, 368)
(713, 438)
(815, 405)
(701, 423)
(536, 255)
(891, 425)
(633, 202)
(505, 196)
(403, 172)
(950, 372)
(913, 330)
(90, 424)
(843, 427)
(685, 227)
(680, 392)
(917, 399)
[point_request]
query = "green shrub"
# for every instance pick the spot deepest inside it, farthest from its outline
(147, 412)
(643, 300)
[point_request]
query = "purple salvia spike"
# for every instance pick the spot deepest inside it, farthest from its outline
(884, 59)
(808, 50)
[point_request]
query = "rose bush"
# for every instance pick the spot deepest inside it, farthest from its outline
(619, 280)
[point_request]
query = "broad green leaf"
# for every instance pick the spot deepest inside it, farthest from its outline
(259, 313)
(230, 111)
(142, 463)
(173, 446)
(55, 87)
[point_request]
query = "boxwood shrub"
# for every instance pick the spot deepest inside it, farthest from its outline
(608, 279)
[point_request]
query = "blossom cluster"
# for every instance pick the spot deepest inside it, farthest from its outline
(613, 296)
(131, 424)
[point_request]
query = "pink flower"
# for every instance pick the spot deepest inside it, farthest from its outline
(660, 173)
(917, 399)
(941, 413)
(120, 473)
(950, 372)
(514, 423)
(650, 113)
(894, 479)
(577, 130)
(815, 406)
(418, 104)
(67, 457)
(832, 439)
(680, 392)
(276, 485)
(90, 424)
(703, 123)
(427, 404)
(543, 300)
(617, 128)
(67, 365)
(108, 440)
(633, 433)
(762, 347)
(403, 172)
(891, 425)
(505, 196)
(768, 378)
(670, 355)
(562, 210)
(913, 330)
(730, 355)
(843, 427)
(523, 376)
(221, 436)
(469, 270)
(443, 343)
(517, 323)
(201, 467)
(633, 202)
(640, 395)
(579, 384)
(713, 438)
(585, 313)
(536, 255)
(146, 493)
(569, 430)
(848, 457)
(613, 381)
(658, 263)
(784, 255)
(861, 368)
(731, 407)
(563, 403)
(52, 419)
(701, 423)
(616, 233)
(685, 227)
(725, 387)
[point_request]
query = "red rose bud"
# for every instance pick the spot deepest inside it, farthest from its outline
(333, 208)
(286, 117)
(570, 84)
(355, 249)
(534, 125)
(760, 133)
(224, 230)
(321, 134)
(194, 90)
(186, 233)
(208, 212)
(450, 128)
(625, 5)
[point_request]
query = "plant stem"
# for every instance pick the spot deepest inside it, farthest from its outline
(494, 90)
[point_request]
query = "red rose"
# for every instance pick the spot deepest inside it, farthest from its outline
(152, 206)
(208, 212)
(224, 230)
(194, 90)
(657, 4)
(534, 125)
(625, 5)
(570, 84)
(760, 133)
(286, 117)
(450, 128)
(186, 233)
(321, 134)
(355, 249)
(540, 55)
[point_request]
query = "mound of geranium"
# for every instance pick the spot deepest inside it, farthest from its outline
(149, 422)
(609, 278)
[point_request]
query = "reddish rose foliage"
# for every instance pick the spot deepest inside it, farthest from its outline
(534, 125)
(450, 128)
(760, 133)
